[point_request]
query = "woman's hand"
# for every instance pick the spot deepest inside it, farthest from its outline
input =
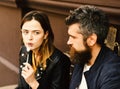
(29, 76)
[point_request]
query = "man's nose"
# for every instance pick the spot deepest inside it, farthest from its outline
(68, 42)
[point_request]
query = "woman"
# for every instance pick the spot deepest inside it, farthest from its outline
(42, 65)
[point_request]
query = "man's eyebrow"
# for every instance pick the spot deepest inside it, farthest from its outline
(71, 35)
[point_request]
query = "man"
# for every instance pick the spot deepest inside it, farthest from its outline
(96, 66)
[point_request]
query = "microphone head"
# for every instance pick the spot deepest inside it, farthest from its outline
(28, 54)
(28, 49)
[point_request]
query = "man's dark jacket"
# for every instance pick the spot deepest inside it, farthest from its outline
(104, 74)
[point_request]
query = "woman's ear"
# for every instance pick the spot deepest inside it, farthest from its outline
(46, 35)
(92, 39)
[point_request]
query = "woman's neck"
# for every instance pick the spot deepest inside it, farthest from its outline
(35, 51)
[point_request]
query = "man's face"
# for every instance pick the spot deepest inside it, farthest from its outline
(80, 52)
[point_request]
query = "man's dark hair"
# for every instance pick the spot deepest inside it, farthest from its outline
(91, 20)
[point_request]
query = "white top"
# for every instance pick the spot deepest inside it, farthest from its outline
(83, 84)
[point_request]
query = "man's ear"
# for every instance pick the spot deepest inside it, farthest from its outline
(92, 39)
(46, 35)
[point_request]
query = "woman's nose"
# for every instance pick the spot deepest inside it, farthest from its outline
(30, 36)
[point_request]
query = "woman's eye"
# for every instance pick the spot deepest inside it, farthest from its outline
(24, 32)
(36, 33)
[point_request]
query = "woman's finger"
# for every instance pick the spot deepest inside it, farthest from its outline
(27, 65)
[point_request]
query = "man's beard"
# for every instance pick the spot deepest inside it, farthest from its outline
(81, 57)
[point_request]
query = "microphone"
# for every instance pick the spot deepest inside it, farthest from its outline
(28, 50)
(28, 56)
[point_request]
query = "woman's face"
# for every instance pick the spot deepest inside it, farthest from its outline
(33, 34)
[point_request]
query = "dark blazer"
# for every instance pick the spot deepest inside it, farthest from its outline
(56, 75)
(104, 74)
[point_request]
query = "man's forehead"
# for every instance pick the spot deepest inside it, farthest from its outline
(74, 28)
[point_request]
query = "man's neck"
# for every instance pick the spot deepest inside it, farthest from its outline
(95, 51)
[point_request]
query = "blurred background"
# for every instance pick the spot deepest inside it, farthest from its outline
(11, 12)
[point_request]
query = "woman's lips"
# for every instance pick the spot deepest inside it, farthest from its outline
(30, 44)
